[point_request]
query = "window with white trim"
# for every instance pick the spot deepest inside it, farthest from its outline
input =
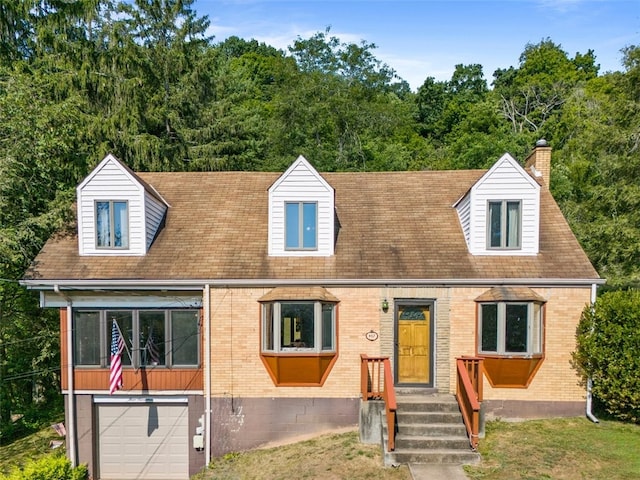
(510, 328)
(301, 226)
(294, 326)
(112, 224)
(169, 338)
(504, 224)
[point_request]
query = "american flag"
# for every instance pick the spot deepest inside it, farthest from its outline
(152, 350)
(115, 370)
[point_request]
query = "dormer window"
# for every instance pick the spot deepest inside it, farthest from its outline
(119, 214)
(112, 224)
(301, 213)
(301, 220)
(500, 213)
(504, 224)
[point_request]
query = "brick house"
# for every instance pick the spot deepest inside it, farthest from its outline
(246, 300)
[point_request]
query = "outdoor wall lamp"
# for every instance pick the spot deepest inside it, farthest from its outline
(385, 305)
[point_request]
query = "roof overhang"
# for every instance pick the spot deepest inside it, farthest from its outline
(197, 284)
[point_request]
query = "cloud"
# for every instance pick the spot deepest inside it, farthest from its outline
(560, 6)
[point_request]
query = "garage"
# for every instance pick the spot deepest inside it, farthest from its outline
(144, 438)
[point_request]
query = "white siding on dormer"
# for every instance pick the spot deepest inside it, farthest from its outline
(301, 183)
(506, 180)
(464, 215)
(155, 211)
(110, 180)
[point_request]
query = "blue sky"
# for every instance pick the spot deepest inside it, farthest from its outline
(427, 38)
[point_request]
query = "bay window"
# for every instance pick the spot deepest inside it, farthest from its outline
(510, 328)
(294, 326)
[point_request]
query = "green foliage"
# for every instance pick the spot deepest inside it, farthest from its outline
(608, 342)
(534, 94)
(51, 467)
(596, 173)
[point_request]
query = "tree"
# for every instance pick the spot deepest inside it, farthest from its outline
(608, 341)
(430, 101)
(339, 108)
(15, 31)
(40, 164)
(537, 89)
(326, 54)
(157, 44)
(596, 174)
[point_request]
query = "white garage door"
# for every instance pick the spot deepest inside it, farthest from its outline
(143, 442)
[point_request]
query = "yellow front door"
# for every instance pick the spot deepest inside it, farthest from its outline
(414, 344)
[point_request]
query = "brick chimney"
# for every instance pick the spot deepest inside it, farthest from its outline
(539, 162)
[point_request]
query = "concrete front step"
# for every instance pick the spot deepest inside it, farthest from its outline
(434, 429)
(429, 430)
(426, 418)
(435, 456)
(428, 404)
(431, 442)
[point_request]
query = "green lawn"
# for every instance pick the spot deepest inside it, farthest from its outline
(562, 449)
(572, 448)
(31, 447)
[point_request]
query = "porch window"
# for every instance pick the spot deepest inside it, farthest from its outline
(152, 337)
(112, 224)
(510, 328)
(301, 219)
(504, 224)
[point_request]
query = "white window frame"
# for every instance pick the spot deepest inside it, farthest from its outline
(300, 246)
(535, 329)
(271, 327)
(504, 232)
(112, 222)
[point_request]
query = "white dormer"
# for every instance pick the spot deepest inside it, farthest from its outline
(500, 214)
(118, 213)
(301, 213)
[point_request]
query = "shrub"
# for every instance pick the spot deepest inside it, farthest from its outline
(608, 352)
(52, 467)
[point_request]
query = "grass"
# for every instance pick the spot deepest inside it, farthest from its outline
(562, 449)
(559, 449)
(30, 447)
(328, 457)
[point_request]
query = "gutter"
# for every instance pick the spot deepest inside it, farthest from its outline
(198, 284)
(71, 428)
(206, 305)
(589, 405)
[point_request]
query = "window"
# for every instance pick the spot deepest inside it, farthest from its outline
(510, 328)
(301, 221)
(112, 224)
(152, 337)
(504, 224)
(298, 326)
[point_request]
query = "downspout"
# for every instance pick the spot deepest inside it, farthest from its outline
(207, 372)
(589, 413)
(71, 428)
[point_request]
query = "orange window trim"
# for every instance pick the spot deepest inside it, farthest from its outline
(299, 370)
(511, 372)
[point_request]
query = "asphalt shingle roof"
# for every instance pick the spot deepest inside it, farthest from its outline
(392, 225)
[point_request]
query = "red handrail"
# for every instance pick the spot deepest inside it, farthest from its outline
(469, 395)
(376, 381)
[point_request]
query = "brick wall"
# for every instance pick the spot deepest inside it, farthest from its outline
(235, 349)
